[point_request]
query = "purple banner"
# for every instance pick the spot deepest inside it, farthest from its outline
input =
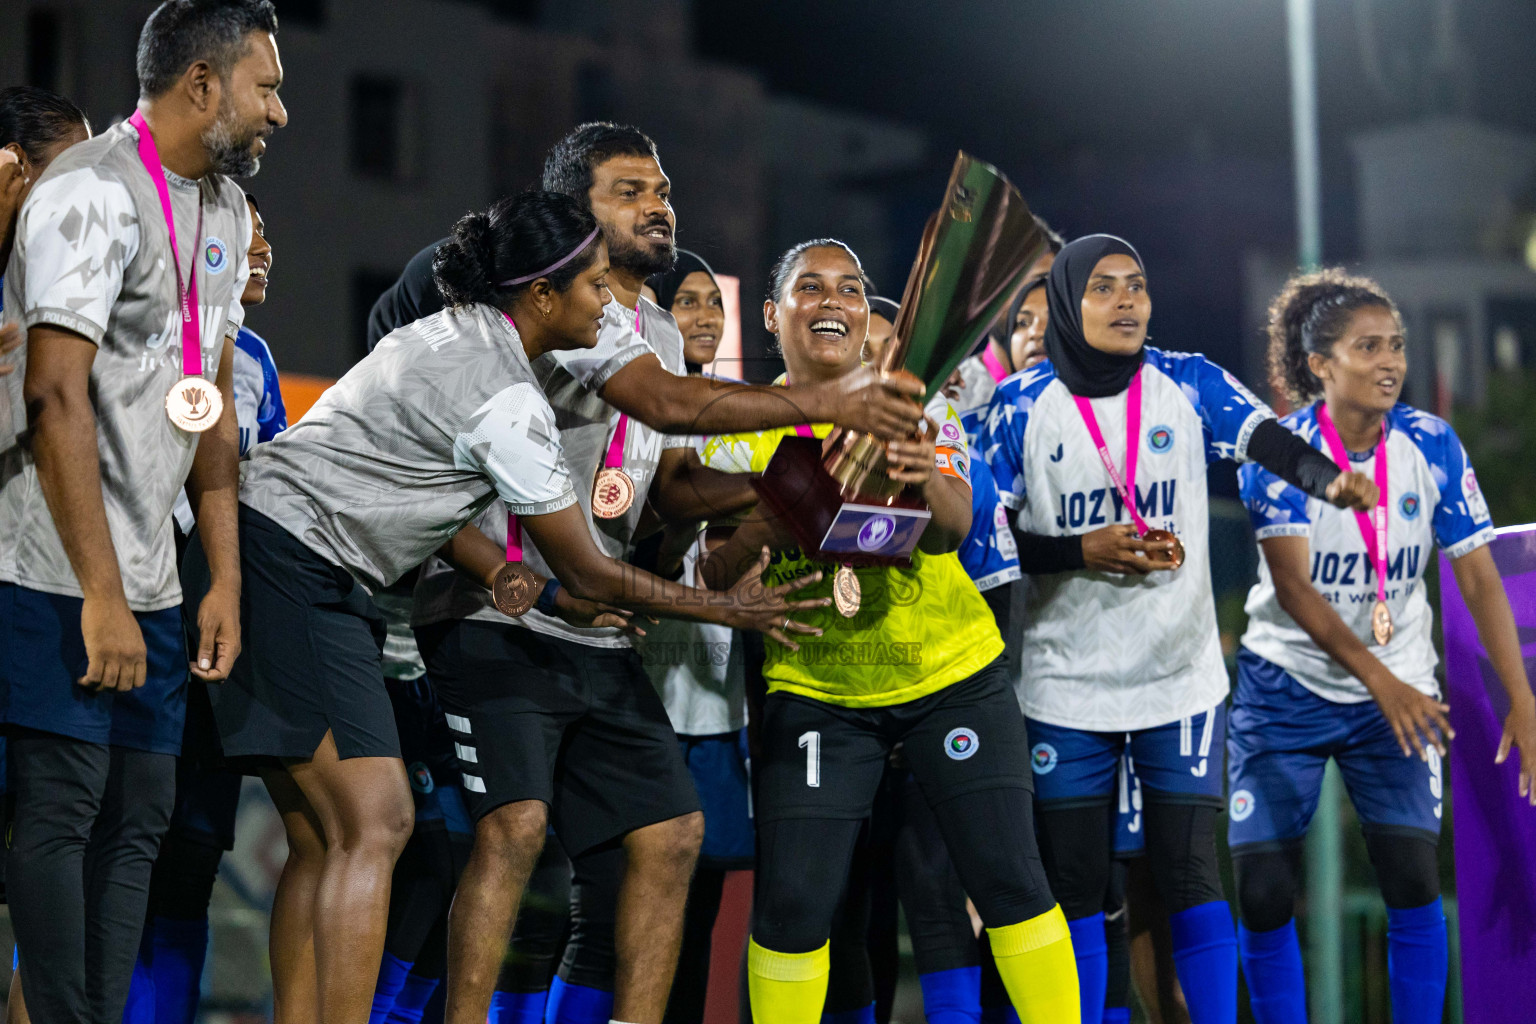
(1495, 830)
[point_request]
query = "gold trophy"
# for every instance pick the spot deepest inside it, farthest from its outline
(975, 251)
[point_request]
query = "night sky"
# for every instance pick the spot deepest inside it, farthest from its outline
(1166, 121)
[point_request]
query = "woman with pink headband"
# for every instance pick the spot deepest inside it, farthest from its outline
(412, 443)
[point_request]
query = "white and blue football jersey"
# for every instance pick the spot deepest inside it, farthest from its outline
(259, 408)
(988, 554)
(1105, 651)
(259, 411)
(1433, 498)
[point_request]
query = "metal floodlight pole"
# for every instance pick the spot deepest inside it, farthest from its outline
(1325, 853)
(1303, 47)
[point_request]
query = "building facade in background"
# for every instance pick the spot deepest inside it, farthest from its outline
(408, 113)
(1447, 224)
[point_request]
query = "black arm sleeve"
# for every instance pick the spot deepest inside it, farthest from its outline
(1039, 554)
(1291, 459)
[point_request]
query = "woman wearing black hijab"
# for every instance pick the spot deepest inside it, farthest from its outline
(700, 674)
(1102, 450)
(690, 292)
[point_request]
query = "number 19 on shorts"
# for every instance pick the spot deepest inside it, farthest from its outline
(810, 742)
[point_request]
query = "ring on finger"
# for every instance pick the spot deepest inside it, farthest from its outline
(785, 627)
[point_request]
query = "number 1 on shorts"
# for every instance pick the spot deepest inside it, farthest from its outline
(810, 742)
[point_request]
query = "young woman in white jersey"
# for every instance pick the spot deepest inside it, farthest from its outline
(1111, 431)
(1338, 659)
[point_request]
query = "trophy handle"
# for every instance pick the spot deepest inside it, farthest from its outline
(857, 463)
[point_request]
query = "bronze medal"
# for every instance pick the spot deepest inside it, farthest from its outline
(612, 493)
(193, 404)
(847, 595)
(1381, 623)
(513, 589)
(1172, 559)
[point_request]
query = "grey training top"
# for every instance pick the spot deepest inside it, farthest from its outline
(93, 255)
(414, 442)
(587, 425)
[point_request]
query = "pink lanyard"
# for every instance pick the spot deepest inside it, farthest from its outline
(1126, 485)
(801, 429)
(514, 528)
(615, 457)
(1373, 527)
(514, 538)
(186, 294)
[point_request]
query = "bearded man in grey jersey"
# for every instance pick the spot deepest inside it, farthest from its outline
(92, 662)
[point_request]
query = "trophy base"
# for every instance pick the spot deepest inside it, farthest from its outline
(855, 530)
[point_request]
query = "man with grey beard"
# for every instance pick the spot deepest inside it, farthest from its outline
(127, 271)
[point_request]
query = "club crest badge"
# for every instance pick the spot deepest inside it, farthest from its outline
(961, 743)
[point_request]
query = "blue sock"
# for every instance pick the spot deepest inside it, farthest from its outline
(392, 972)
(1092, 955)
(952, 997)
(412, 1000)
(863, 1015)
(140, 1008)
(1417, 963)
(437, 1007)
(1117, 1015)
(180, 949)
(1205, 953)
(517, 1007)
(1277, 985)
(577, 1004)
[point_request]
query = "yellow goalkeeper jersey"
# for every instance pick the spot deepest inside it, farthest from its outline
(918, 629)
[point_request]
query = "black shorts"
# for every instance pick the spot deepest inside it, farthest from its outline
(581, 728)
(822, 760)
(310, 661)
(207, 791)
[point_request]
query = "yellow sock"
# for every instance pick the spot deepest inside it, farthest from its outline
(1035, 960)
(790, 988)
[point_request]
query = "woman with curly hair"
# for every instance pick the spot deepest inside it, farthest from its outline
(1338, 660)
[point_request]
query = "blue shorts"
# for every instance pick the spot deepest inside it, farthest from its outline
(1180, 760)
(1281, 738)
(718, 765)
(42, 654)
(1130, 836)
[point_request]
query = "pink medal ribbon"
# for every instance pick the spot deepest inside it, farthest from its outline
(847, 593)
(512, 588)
(801, 429)
(1373, 527)
(1126, 485)
(514, 538)
(192, 404)
(613, 491)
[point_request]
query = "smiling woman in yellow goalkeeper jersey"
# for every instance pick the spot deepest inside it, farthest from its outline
(919, 664)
